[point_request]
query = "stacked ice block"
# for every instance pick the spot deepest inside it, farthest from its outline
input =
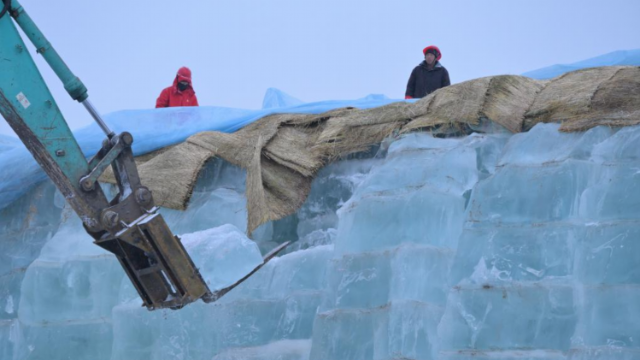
(396, 240)
(489, 246)
(546, 261)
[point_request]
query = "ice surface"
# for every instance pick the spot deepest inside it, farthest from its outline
(278, 350)
(604, 353)
(517, 315)
(516, 253)
(75, 285)
(369, 280)
(10, 338)
(418, 195)
(504, 354)
(538, 193)
(298, 272)
(544, 144)
(401, 330)
(334, 185)
(484, 247)
(381, 220)
(545, 251)
(620, 147)
(201, 331)
(60, 341)
(608, 254)
(223, 254)
(448, 166)
(611, 310)
(25, 226)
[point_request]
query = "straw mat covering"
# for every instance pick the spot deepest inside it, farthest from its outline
(282, 153)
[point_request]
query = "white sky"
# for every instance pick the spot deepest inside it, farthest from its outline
(127, 52)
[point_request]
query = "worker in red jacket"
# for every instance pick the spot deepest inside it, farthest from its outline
(181, 93)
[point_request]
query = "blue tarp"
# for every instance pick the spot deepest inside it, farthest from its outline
(275, 98)
(157, 128)
(616, 58)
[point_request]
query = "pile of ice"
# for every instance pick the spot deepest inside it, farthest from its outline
(490, 246)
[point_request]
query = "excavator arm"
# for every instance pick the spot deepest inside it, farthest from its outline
(129, 225)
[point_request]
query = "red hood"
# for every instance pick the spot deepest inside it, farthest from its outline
(184, 74)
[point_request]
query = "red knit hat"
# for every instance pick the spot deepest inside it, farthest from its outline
(434, 50)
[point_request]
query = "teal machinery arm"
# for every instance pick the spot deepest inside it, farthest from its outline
(129, 225)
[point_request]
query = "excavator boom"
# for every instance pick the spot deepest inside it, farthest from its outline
(129, 225)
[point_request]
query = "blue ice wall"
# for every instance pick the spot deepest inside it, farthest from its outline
(490, 246)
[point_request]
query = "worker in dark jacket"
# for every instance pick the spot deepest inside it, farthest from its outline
(429, 76)
(181, 93)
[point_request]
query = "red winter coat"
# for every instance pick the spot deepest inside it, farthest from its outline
(172, 96)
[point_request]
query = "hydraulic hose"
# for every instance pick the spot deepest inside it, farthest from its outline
(6, 6)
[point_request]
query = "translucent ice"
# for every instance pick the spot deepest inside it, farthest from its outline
(484, 247)
(503, 354)
(278, 350)
(418, 194)
(620, 147)
(223, 254)
(381, 220)
(608, 254)
(545, 144)
(552, 226)
(610, 310)
(538, 193)
(404, 329)
(519, 315)
(516, 253)
(372, 279)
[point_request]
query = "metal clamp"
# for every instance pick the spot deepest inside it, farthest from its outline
(122, 141)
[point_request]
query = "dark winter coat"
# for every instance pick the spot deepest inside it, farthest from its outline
(423, 81)
(172, 96)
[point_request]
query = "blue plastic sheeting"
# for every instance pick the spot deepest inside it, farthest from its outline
(616, 58)
(154, 129)
(275, 98)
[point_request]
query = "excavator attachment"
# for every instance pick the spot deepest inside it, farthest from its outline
(152, 256)
(156, 262)
(160, 268)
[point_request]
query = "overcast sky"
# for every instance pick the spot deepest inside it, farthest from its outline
(127, 52)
